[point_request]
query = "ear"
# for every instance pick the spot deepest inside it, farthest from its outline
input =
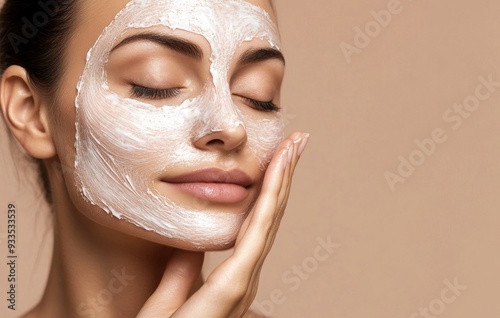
(24, 113)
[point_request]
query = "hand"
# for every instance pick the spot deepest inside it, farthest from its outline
(231, 288)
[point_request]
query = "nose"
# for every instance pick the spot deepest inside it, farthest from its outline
(226, 140)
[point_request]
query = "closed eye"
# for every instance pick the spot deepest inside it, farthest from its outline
(142, 92)
(265, 106)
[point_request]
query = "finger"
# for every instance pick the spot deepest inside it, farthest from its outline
(181, 273)
(293, 138)
(232, 280)
(261, 219)
(273, 212)
(232, 286)
(300, 142)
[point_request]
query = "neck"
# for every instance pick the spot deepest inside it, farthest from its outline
(97, 271)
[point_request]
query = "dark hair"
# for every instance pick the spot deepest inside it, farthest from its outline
(33, 34)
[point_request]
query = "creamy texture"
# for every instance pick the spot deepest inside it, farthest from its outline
(121, 143)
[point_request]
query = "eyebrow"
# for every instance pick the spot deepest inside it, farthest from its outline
(261, 55)
(174, 43)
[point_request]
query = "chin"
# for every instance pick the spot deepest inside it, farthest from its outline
(197, 243)
(209, 231)
(217, 244)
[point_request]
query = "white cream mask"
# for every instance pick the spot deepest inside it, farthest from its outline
(121, 143)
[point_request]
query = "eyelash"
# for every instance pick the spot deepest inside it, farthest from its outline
(153, 93)
(138, 91)
(265, 106)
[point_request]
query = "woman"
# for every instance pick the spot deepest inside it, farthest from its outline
(157, 124)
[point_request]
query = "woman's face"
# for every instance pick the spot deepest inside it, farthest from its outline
(176, 116)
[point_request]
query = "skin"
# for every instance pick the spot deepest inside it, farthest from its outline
(89, 244)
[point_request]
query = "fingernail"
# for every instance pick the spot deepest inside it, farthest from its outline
(303, 144)
(290, 153)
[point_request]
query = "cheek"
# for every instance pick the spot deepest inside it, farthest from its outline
(62, 111)
(62, 130)
(264, 135)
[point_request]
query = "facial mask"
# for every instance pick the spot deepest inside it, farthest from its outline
(121, 143)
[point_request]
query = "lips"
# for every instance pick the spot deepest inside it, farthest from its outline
(213, 185)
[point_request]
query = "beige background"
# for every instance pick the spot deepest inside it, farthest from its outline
(397, 251)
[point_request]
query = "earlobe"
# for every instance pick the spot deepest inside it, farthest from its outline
(22, 109)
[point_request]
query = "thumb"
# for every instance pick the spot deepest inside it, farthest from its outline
(182, 271)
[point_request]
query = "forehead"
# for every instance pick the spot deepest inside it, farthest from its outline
(217, 20)
(97, 13)
(225, 24)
